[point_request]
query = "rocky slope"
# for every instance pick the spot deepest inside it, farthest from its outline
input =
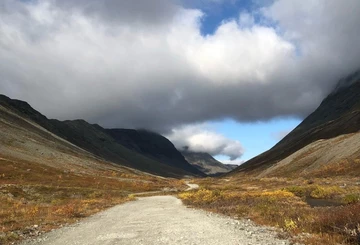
(206, 163)
(337, 115)
(23, 142)
(92, 139)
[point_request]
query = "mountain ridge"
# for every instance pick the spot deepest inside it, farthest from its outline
(95, 140)
(338, 114)
(152, 145)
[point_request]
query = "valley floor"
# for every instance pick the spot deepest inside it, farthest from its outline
(159, 220)
(309, 211)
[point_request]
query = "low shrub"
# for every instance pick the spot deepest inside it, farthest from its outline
(351, 198)
(326, 192)
(202, 196)
(286, 209)
(299, 191)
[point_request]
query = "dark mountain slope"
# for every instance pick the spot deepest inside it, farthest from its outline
(152, 145)
(338, 114)
(93, 139)
(206, 163)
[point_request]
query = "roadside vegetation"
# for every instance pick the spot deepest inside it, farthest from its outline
(319, 211)
(36, 198)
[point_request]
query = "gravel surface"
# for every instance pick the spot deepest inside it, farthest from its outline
(159, 220)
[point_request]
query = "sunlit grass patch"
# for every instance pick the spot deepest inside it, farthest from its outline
(316, 191)
(283, 205)
(351, 198)
(326, 192)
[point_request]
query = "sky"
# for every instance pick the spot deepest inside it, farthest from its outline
(228, 77)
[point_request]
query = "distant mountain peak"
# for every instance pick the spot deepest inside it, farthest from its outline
(206, 163)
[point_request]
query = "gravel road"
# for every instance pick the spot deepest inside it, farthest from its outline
(159, 220)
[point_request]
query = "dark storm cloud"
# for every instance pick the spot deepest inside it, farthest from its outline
(153, 69)
(135, 11)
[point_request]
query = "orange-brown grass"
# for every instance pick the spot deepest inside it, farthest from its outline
(342, 167)
(18, 215)
(281, 203)
(35, 198)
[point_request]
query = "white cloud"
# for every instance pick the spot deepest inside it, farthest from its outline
(325, 32)
(200, 138)
(74, 60)
(235, 55)
(233, 162)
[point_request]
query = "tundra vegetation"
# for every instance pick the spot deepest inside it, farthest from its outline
(333, 217)
(36, 198)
